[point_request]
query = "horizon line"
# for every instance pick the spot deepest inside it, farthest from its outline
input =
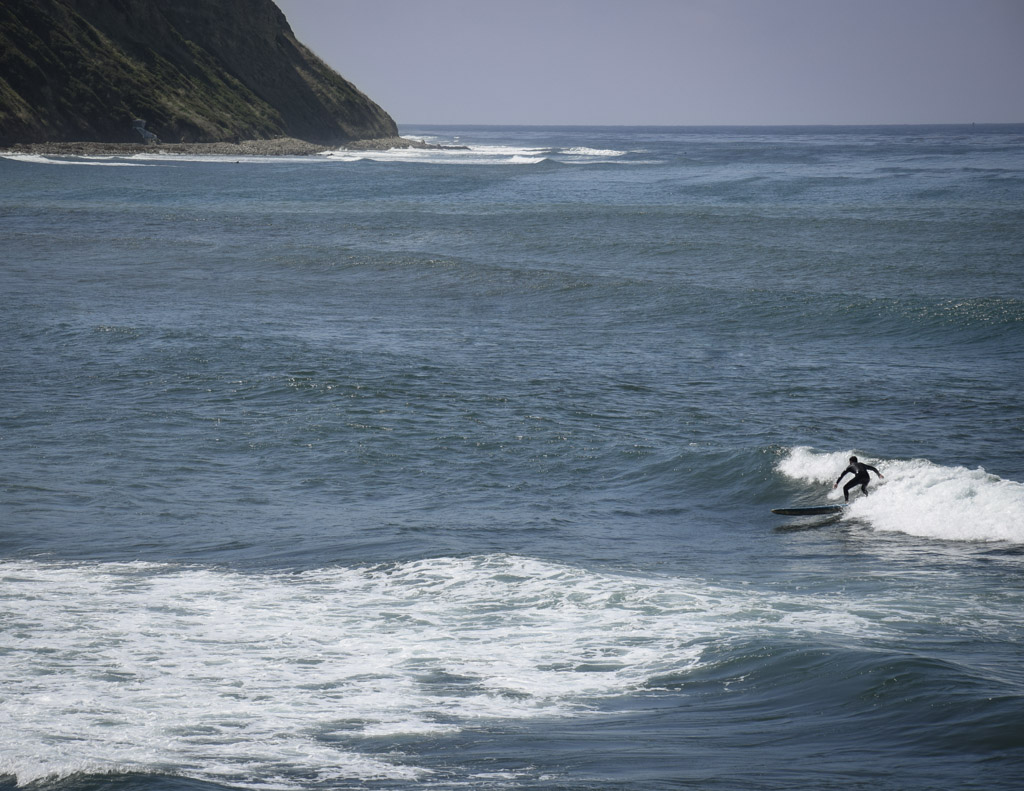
(710, 125)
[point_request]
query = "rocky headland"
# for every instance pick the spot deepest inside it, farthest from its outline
(116, 77)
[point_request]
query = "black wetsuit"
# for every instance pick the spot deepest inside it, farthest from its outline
(859, 471)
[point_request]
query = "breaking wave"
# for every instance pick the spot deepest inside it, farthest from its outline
(921, 498)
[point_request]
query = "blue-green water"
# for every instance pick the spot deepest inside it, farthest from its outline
(453, 469)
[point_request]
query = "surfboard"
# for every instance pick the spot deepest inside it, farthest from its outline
(809, 510)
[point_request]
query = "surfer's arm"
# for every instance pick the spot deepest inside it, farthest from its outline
(874, 470)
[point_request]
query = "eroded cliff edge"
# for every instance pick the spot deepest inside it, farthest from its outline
(196, 71)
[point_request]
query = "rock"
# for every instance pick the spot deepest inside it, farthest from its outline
(195, 71)
(285, 146)
(386, 143)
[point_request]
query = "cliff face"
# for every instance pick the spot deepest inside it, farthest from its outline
(194, 70)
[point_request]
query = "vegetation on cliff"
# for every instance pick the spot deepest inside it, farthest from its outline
(194, 70)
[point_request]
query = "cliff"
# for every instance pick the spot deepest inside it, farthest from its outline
(195, 70)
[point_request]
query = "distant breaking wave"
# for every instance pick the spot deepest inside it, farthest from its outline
(483, 155)
(40, 159)
(593, 152)
(472, 155)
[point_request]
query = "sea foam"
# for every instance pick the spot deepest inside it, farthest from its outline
(455, 154)
(475, 155)
(594, 152)
(41, 159)
(921, 498)
(272, 679)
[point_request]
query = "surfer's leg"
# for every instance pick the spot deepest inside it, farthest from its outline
(854, 483)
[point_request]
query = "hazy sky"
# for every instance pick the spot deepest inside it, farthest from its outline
(675, 62)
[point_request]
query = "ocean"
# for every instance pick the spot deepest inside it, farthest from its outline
(453, 468)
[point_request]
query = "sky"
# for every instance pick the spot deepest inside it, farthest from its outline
(675, 62)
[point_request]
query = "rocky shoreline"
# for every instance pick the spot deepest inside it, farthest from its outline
(280, 147)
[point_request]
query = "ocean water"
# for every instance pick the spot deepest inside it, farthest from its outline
(454, 469)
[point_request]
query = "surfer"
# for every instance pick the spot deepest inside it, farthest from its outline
(859, 471)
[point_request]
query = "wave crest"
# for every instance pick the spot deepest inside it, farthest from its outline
(921, 498)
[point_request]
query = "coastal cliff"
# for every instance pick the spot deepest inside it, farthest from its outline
(195, 71)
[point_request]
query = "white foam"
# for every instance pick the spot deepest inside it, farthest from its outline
(492, 154)
(921, 498)
(230, 159)
(244, 678)
(475, 155)
(40, 159)
(583, 151)
(452, 155)
(803, 464)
